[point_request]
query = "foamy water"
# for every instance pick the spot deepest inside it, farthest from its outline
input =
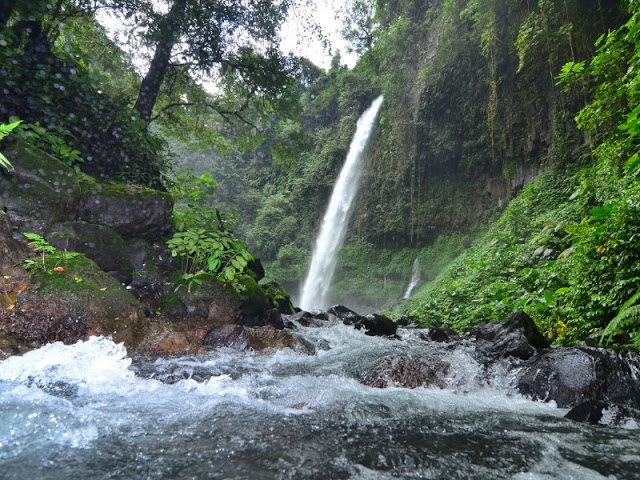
(90, 411)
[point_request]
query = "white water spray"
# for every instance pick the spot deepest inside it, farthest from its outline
(336, 218)
(415, 278)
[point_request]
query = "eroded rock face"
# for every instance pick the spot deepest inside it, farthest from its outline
(132, 211)
(408, 372)
(570, 376)
(515, 336)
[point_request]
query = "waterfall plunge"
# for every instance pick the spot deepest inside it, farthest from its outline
(415, 278)
(336, 218)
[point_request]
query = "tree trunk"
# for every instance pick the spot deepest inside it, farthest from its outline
(151, 83)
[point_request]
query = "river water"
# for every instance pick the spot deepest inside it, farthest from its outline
(89, 411)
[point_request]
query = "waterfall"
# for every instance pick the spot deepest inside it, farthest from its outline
(415, 278)
(336, 218)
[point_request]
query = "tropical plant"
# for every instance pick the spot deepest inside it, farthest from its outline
(627, 319)
(39, 245)
(48, 252)
(209, 253)
(52, 144)
(5, 130)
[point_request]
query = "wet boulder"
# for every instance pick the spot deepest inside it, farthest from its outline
(256, 309)
(439, 335)
(268, 337)
(256, 339)
(168, 338)
(373, 324)
(41, 190)
(407, 372)
(515, 336)
(99, 243)
(132, 211)
(596, 412)
(570, 376)
(278, 297)
(70, 301)
(308, 319)
(230, 336)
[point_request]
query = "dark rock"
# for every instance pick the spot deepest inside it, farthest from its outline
(406, 321)
(132, 211)
(256, 267)
(278, 297)
(308, 319)
(516, 336)
(374, 324)
(439, 334)
(570, 376)
(378, 325)
(231, 336)
(40, 192)
(407, 372)
(149, 263)
(344, 314)
(596, 412)
(593, 340)
(99, 243)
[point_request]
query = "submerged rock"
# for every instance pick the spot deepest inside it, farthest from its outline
(570, 376)
(407, 372)
(596, 412)
(515, 336)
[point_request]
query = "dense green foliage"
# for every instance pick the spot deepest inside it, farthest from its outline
(481, 96)
(566, 249)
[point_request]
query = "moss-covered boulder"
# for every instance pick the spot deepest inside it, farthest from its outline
(101, 244)
(278, 297)
(132, 211)
(70, 298)
(40, 191)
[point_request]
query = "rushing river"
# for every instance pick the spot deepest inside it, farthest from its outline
(89, 411)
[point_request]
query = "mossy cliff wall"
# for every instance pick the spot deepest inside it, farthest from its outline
(472, 109)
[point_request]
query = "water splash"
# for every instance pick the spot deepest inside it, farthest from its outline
(336, 219)
(415, 278)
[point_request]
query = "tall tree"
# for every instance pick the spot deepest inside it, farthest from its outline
(232, 39)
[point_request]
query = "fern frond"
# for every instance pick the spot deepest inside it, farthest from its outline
(628, 317)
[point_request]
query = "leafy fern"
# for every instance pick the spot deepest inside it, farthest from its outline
(627, 319)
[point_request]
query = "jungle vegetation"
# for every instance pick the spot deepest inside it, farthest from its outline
(506, 157)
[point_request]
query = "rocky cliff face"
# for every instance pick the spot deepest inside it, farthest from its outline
(472, 110)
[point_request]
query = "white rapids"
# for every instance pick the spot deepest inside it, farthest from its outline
(90, 411)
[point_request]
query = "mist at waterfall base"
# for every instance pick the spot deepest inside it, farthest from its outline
(89, 411)
(336, 219)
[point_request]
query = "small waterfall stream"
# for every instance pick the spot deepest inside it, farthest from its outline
(415, 278)
(336, 218)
